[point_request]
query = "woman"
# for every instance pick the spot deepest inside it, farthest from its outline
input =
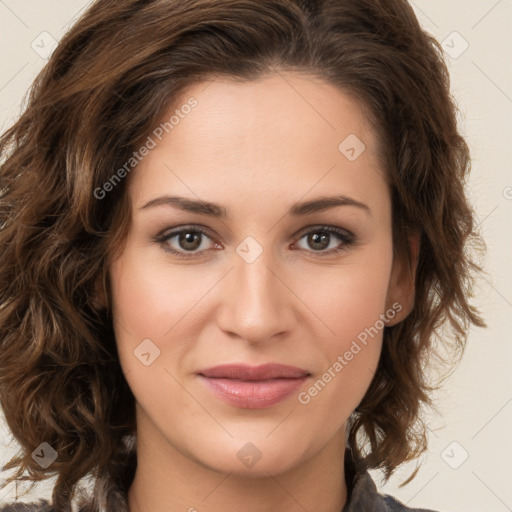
(231, 231)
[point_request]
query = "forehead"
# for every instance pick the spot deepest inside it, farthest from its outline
(281, 136)
(289, 105)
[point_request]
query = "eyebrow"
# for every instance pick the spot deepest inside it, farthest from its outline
(217, 211)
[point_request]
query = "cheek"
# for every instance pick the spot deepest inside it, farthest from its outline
(350, 356)
(348, 300)
(165, 305)
(141, 306)
(148, 299)
(352, 308)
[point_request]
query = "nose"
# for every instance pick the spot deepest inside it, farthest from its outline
(257, 305)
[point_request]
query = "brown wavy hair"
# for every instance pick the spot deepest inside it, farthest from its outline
(104, 90)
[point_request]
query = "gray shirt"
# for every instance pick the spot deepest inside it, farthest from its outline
(362, 495)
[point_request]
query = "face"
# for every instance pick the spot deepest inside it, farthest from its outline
(261, 278)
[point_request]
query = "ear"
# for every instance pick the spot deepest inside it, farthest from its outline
(401, 289)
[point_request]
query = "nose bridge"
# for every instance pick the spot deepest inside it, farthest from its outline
(254, 306)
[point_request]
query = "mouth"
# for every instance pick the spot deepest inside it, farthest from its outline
(253, 387)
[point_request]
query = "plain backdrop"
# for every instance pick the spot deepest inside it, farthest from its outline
(468, 467)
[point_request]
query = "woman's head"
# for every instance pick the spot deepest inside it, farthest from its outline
(261, 285)
(254, 106)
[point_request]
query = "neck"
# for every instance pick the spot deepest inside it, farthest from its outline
(167, 480)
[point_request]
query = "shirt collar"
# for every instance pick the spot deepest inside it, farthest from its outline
(362, 493)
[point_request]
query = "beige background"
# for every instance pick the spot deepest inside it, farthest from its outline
(476, 403)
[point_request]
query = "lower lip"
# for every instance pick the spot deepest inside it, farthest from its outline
(253, 394)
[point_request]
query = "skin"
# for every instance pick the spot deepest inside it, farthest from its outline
(255, 148)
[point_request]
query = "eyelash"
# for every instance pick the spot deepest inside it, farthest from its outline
(346, 238)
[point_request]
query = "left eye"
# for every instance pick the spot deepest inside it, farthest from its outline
(320, 238)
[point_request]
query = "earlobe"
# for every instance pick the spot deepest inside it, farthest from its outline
(402, 282)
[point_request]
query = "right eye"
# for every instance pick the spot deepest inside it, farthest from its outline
(188, 241)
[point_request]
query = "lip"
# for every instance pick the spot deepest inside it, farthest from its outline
(253, 387)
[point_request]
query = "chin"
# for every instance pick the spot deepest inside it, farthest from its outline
(255, 458)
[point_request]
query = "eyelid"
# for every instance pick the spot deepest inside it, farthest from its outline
(324, 227)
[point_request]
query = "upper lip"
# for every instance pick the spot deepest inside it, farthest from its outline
(247, 372)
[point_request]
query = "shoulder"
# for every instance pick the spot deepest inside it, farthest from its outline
(364, 496)
(18, 506)
(393, 505)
